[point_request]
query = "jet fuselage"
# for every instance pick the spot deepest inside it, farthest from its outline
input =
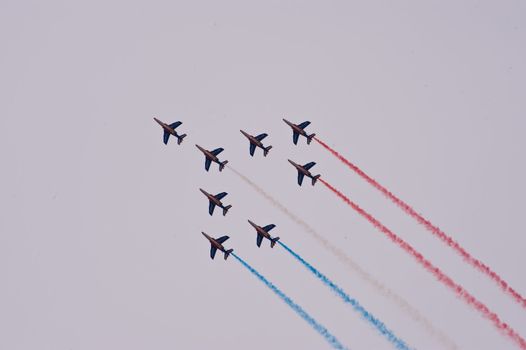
(296, 128)
(212, 198)
(208, 154)
(301, 169)
(252, 139)
(214, 243)
(260, 230)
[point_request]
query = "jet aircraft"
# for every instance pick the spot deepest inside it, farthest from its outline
(303, 170)
(211, 156)
(169, 129)
(256, 141)
(217, 243)
(264, 232)
(216, 200)
(298, 129)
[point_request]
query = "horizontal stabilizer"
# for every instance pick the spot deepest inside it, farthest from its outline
(273, 242)
(222, 165)
(225, 209)
(228, 252)
(309, 138)
(314, 179)
(265, 150)
(180, 138)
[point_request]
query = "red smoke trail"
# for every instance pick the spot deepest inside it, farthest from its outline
(479, 265)
(441, 276)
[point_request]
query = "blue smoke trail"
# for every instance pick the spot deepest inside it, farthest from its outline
(400, 344)
(318, 327)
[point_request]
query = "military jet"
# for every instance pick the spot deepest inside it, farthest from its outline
(216, 200)
(264, 232)
(297, 130)
(303, 170)
(211, 156)
(217, 243)
(169, 129)
(256, 141)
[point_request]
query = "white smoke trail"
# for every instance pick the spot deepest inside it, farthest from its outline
(352, 265)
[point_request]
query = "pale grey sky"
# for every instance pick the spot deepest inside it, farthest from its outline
(100, 244)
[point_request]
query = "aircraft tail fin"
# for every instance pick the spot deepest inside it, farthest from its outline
(225, 209)
(227, 253)
(265, 150)
(180, 138)
(273, 242)
(314, 179)
(309, 138)
(222, 165)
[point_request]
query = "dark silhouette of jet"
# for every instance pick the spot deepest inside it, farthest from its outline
(217, 243)
(303, 170)
(264, 232)
(256, 141)
(169, 129)
(211, 156)
(297, 130)
(216, 200)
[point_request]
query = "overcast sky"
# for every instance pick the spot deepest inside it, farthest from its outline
(100, 244)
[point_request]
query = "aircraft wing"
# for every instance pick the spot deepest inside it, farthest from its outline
(300, 177)
(295, 137)
(211, 208)
(213, 251)
(220, 195)
(268, 227)
(166, 136)
(304, 125)
(175, 125)
(217, 151)
(309, 165)
(261, 136)
(220, 240)
(252, 148)
(259, 240)
(208, 161)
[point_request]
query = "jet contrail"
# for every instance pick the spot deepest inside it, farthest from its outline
(318, 327)
(479, 265)
(379, 325)
(441, 276)
(355, 268)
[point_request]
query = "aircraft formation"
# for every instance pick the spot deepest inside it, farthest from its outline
(216, 200)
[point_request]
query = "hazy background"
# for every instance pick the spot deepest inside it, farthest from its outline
(99, 221)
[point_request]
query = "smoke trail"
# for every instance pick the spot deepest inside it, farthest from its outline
(318, 327)
(379, 325)
(441, 276)
(355, 268)
(479, 265)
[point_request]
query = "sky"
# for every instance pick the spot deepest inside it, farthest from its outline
(100, 243)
